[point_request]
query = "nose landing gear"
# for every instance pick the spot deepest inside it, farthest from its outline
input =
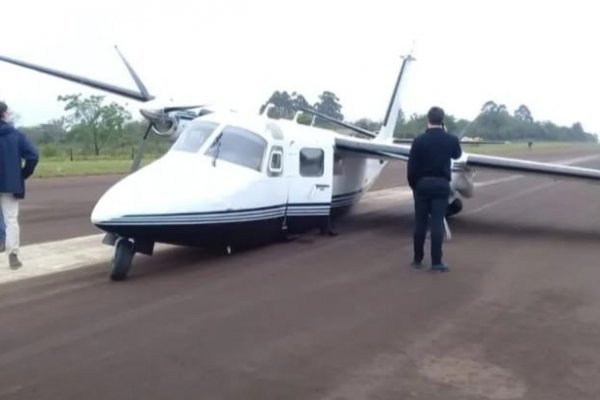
(121, 262)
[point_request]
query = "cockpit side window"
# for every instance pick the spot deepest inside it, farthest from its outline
(194, 136)
(239, 146)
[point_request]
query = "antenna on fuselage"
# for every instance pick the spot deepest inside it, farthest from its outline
(265, 112)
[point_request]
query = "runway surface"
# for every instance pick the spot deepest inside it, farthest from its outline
(518, 317)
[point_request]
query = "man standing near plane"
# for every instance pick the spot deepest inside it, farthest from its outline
(429, 175)
(14, 148)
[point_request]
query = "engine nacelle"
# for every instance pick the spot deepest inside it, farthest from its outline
(168, 124)
(462, 180)
(454, 207)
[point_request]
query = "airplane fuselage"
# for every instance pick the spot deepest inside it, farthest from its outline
(233, 180)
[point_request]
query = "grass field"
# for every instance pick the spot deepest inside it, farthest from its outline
(53, 168)
(50, 168)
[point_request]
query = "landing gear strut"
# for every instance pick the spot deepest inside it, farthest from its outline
(121, 263)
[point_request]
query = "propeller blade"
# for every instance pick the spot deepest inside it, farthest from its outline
(135, 76)
(182, 108)
(80, 79)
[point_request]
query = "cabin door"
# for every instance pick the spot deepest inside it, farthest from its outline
(310, 182)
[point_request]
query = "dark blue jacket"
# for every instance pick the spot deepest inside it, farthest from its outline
(430, 155)
(14, 148)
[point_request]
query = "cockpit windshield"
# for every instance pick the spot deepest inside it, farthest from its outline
(194, 136)
(238, 146)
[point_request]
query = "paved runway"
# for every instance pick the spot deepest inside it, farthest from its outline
(60, 208)
(518, 317)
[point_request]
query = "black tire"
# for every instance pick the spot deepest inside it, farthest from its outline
(121, 263)
(454, 208)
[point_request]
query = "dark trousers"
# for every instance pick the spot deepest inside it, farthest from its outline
(431, 201)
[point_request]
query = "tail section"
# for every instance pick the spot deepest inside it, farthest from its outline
(391, 116)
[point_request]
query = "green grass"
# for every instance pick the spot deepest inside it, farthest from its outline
(63, 168)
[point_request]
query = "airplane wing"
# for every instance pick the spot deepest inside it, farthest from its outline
(478, 142)
(371, 149)
(526, 167)
(473, 142)
(391, 151)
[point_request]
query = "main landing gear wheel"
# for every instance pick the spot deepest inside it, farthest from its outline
(121, 263)
(454, 208)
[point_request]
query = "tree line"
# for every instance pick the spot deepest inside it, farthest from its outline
(494, 122)
(91, 126)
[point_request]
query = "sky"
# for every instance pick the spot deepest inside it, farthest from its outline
(235, 53)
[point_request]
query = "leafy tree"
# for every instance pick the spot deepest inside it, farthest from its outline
(53, 131)
(370, 125)
(412, 127)
(489, 106)
(329, 104)
(286, 106)
(282, 105)
(523, 113)
(90, 117)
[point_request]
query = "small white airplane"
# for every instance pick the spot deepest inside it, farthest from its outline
(232, 179)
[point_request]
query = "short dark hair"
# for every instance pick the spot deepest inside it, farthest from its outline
(3, 109)
(435, 116)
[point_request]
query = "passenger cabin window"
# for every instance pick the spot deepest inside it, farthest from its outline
(312, 162)
(194, 136)
(239, 146)
(276, 161)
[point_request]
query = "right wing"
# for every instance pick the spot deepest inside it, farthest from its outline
(372, 149)
(553, 170)
(391, 151)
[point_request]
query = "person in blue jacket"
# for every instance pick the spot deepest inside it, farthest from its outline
(15, 148)
(429, 174)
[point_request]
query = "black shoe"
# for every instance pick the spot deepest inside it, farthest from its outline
(441, 267)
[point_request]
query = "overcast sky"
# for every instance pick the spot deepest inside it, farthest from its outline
(236, 53)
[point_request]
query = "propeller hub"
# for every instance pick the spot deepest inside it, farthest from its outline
(162, 123)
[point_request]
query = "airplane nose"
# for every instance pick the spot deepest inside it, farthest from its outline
(163, 187)
(166, 187)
